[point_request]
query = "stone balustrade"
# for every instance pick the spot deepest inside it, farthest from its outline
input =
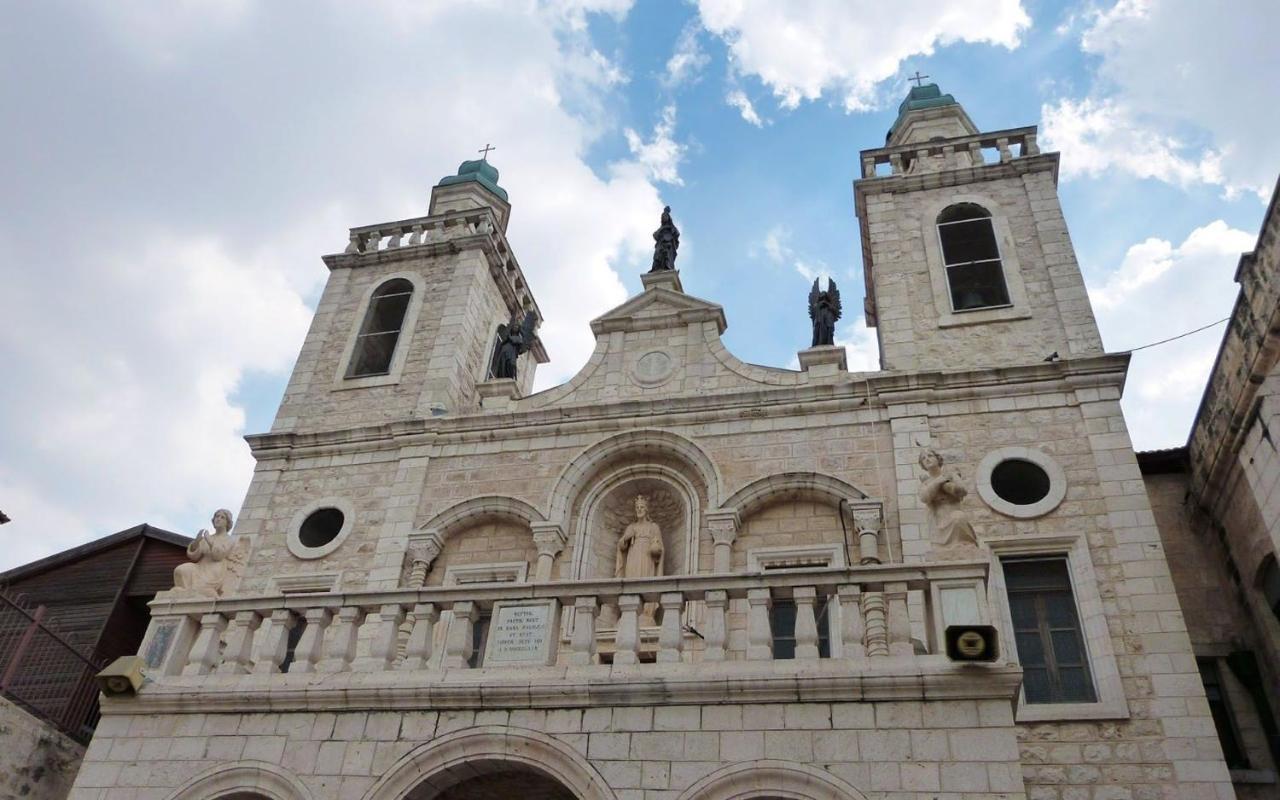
(419, 231)
(872, 612)
(952, 153)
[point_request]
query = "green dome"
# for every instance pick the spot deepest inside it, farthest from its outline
(482, 172)
(927, 96)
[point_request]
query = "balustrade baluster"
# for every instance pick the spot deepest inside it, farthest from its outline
(458, 646)
(273, 642)
(851, 629)
(715, 626)
(1029, 146)
(384, 625)
(417, 651)
(311, 644)
(899, 619)
(895, 163)
(340, 647)
(353, 243)
(759, 629)
(671, 637)
(877, 630)
(868, 167)
(1002, 144)
(806, 623)
(371, 241)
(237, 655)
(415, 235)
(204, 653)
(582, 645)
(975, 154)
(627, 641)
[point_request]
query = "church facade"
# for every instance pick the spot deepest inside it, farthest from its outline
(679, 575)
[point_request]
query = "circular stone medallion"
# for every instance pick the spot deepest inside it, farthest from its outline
(652, 368)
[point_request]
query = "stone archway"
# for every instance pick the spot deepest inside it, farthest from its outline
(477, 762)
(771, 780)
(247, 780)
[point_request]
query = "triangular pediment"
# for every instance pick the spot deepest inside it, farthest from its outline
(659, 307)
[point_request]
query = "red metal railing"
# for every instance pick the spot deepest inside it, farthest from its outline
(45, 673)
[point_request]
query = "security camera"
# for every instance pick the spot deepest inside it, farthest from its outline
(122, 677)
(972, 643)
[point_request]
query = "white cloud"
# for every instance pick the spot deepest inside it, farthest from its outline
(661, 154)
(688, 60)
(738, 99)
(1158, 291)
(859, 341)
(1183, 94)
(802, 49)
(157, 259)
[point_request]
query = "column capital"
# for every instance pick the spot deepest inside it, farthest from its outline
(425, 546)
(549, 537)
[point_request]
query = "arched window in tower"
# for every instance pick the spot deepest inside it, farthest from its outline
(975, 276)
(376, 342)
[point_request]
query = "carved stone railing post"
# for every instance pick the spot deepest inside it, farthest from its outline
(582, 645)
(975, 154)
(311, 644)
(1029, 146)
(895, 163)
(394, 241)
(458, 646)
(353, 243)
(724, 531)
(417, 650)
(868, 167)
(715, 627)
(204, 653)
(851, 630)
(273, 642)
(340, 647)
(806, 623)
(237, 655)
(1002, 144)
(627, 640)
(384, 627)
(866, 521)
(550, 539)
(759, 631)
(877, 629)
(671, 637)
(899, 619)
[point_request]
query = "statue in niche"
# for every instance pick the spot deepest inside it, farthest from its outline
(942, 493)
(666, 241)
(514, 340)
(640, 548)
(824, 310)
(217, 560)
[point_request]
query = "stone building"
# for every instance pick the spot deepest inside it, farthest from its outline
(1217, 504)
(442, 585)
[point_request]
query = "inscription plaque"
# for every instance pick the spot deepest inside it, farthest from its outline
(522, 632)
(159, 645)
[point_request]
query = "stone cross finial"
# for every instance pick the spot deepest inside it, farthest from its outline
(484, 151)
(918, 78)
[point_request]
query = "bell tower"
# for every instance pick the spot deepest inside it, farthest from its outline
(407, 325)
(965, 251)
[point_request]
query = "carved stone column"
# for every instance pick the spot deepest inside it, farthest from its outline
(237, 653)
(867, 522)
(550, 539)
(424, 548)
(724, 531)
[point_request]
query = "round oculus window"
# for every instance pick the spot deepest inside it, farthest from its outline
(1020, 482)
(321, 527)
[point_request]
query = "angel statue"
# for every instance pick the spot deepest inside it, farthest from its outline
(824, 310)
(514, 340)
(666, 241)
(942, 493)
(217, 559)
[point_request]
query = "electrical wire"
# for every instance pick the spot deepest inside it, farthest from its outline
(1179, 336)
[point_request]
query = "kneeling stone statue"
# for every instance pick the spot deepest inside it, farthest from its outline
(217, 561)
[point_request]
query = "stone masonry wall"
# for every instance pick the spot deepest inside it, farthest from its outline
(37, 762)
(889, 751)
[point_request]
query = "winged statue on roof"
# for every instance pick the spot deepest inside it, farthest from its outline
(824, 310)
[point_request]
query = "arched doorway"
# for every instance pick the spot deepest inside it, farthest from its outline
(491, 762)
(491, 779)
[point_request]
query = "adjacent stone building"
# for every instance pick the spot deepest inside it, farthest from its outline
(1217, 504)
(679, 575)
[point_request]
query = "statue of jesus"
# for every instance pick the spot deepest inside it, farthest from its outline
(640, 548)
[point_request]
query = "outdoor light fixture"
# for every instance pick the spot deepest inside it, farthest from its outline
(972, 643)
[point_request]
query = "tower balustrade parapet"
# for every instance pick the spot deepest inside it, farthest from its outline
(868, 632)
(951, 153)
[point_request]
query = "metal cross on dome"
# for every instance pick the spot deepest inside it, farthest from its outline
(484, 151)
(918, 78)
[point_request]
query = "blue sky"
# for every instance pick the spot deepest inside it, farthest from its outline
(177, 169)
